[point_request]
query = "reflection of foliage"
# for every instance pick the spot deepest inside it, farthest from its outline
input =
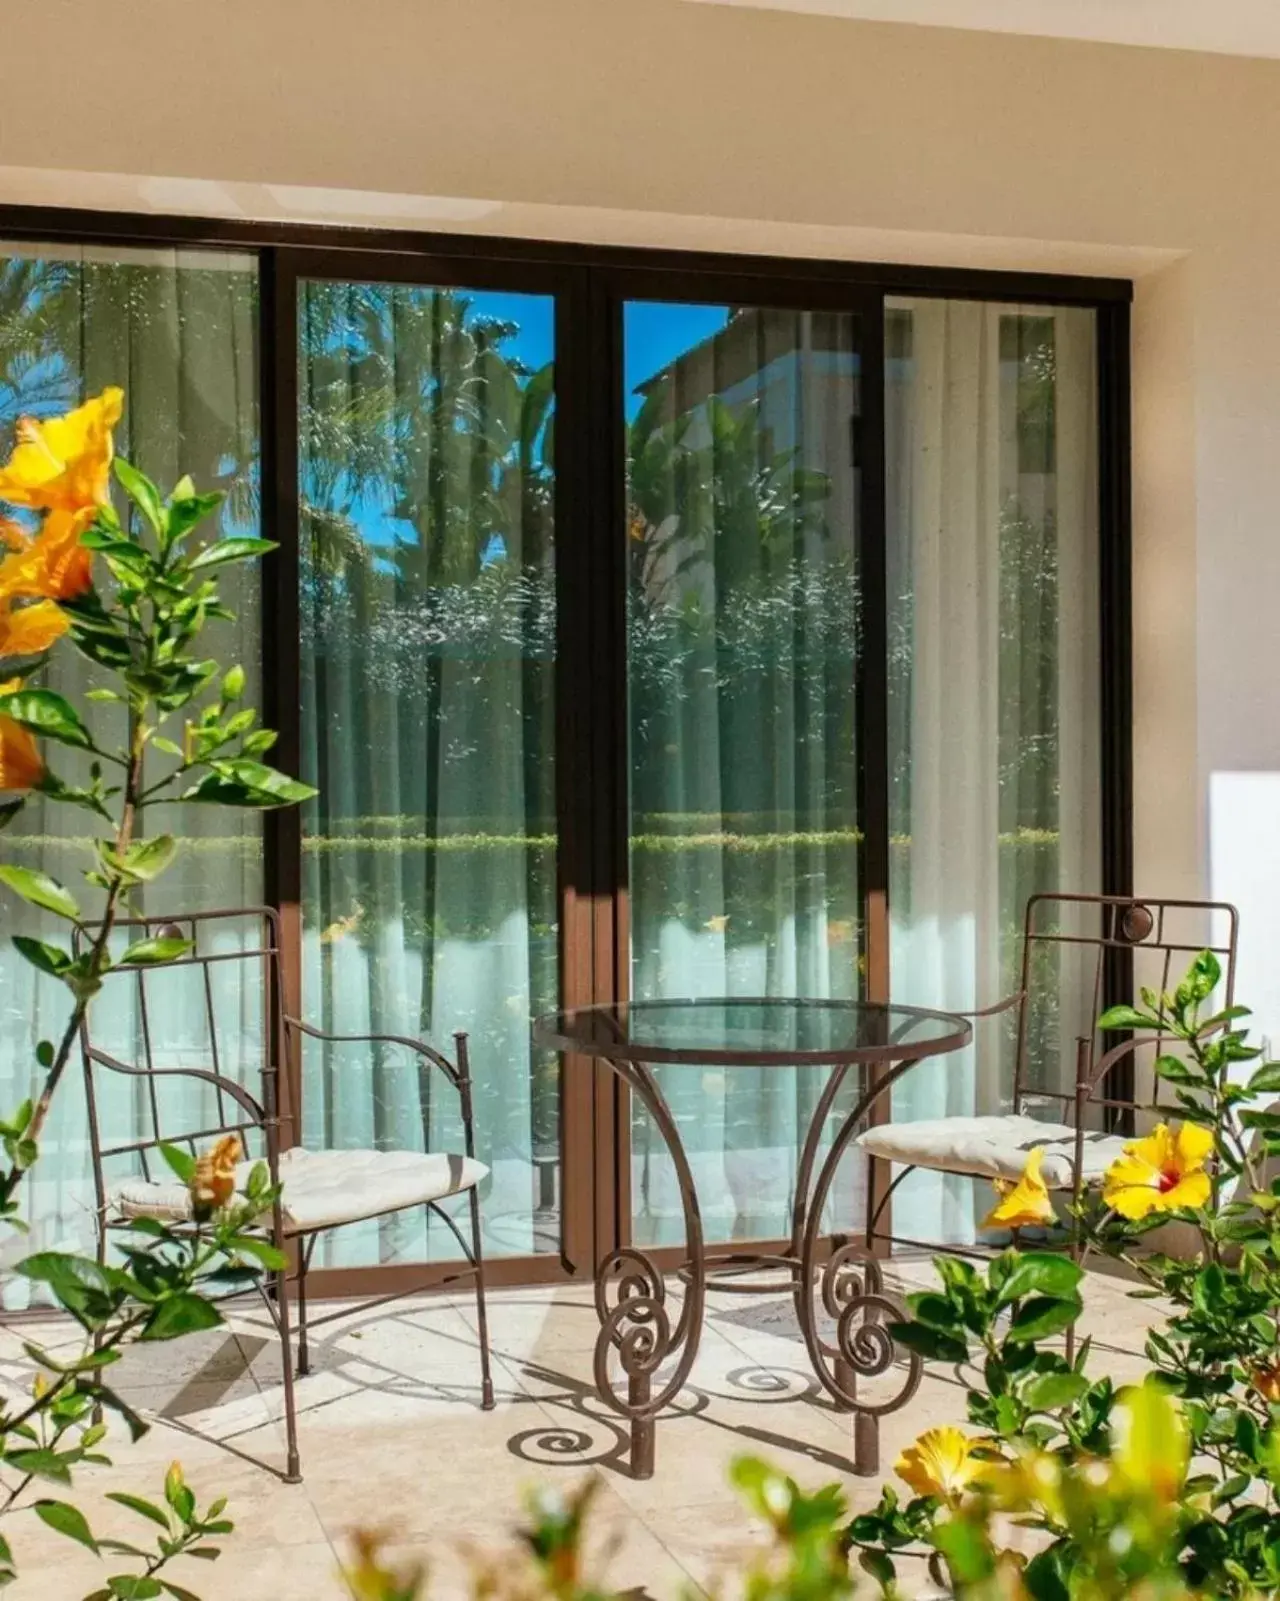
(707, 486)
(69, 327)
(411, 404)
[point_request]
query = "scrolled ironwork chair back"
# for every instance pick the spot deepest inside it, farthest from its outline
(244, 941)
(1120, 944)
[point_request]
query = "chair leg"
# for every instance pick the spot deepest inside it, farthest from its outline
(304, 1263)
(293, 1472)
(482, 1319)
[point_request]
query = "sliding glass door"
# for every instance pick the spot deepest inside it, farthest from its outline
(649, 627)
(993, 692)
(427, 579)
(743, 619)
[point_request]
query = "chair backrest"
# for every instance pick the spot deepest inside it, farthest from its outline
(1104, 949)
(188, 1038)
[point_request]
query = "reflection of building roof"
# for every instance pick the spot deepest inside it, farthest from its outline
(754, 339)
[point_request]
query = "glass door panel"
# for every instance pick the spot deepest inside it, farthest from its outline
(743, 638)
(427, 570)
(994, 700)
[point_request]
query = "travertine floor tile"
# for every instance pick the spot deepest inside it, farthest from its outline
(392, 1435)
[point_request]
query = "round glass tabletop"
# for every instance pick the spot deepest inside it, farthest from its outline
(724, 1032)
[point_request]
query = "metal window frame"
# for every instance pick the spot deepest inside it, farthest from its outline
(591, 282)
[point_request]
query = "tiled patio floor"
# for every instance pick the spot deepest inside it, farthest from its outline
(392, 1435)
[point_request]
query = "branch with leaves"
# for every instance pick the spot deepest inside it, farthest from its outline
(132, 593)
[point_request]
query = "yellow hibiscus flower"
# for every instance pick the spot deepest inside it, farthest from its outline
(54, 565)
(30, 629)
(1025, 1203)
(1160, 1173)
(941, 1463)
(20, 764)
(64, 463)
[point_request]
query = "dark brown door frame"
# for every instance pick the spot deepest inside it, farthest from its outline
(591, 674)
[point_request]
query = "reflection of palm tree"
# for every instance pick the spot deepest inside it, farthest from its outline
(35, 306)
(707, 486)
(412, 408)
(427, 531)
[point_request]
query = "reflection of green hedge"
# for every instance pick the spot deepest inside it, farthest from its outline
(654, 844)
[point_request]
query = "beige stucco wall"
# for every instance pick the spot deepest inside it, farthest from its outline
(663, 122)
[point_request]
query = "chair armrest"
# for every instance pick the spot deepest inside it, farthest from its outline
(417, 1046)
(1111, 1059)
(227, 1086)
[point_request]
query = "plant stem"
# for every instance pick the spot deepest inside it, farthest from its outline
(97, 951)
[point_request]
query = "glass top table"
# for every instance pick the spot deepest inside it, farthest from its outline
(720, 1032)
(835, 1282)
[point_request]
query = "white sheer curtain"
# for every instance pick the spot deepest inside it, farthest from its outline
(742, 647)
(994, 710)
(428, 638)
(176, 330)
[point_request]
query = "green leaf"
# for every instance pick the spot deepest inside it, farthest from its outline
(880, 1567)
(68, 1520)
(144, 952)
(184, 1313)
(1043, 1315)
(1202, 977)
(41, 1464)
(931, 1343)
(1175, 1071)
(1126, 1017)
(143, 493)
(144, 1509)
(242, 782)
(1040, 1273)
(261, 1250)
(39, 889)
(233, 684)
(1266, 1079)
(134, 1587)
(46, 714)
(937, 1311)
(149, 857)
(224, 550)
(9, 810)
(183, 1165)
(48, 958)
(1049, 1391)
(85, 1288)
(186, 510)
(1044, 1577)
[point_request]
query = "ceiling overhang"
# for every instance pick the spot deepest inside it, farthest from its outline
(1229, 27)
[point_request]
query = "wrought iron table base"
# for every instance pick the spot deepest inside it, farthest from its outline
(631, 1293)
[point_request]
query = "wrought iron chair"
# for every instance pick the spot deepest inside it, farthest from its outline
(1131, 942)
(321, 1190)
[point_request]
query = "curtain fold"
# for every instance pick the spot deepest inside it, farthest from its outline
(743, 620)
(428, 628)
(176, 329)
(994, 708)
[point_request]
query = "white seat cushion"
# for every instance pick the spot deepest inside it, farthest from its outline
(993, 1147)
(323, 1189)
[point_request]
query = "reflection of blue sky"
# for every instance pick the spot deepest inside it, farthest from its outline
(535, 316)
(655, 332)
